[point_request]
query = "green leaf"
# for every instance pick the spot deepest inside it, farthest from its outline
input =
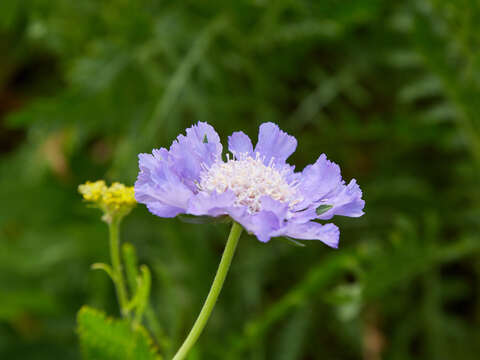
(104, 267)
(143, 291)
(131, 265)
(205, 139)
(323, 209)
(103, 338)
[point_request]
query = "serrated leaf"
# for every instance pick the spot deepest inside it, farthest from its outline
(104, 338)
(323, 209)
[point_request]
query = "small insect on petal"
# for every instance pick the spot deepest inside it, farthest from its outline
(323, 209)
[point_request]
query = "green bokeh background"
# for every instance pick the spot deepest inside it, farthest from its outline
(390, 90)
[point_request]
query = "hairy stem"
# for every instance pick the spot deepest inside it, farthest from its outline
(217, 285)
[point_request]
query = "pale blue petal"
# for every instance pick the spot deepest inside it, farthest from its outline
(266, 223)
(262, 224)
(322, 184)
(274, 143)
(348, 202)
(322, 180)
(166, 211)
(213, 204)
(328, 233)
(158, 184)
(280, 209)
(240, 143)
(200, 147)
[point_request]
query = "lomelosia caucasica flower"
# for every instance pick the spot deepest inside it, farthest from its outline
(255, 187)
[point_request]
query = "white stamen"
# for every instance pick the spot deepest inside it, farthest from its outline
(249, 179)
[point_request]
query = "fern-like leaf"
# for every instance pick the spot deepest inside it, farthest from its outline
(104, 338)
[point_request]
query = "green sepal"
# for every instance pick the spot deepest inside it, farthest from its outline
(323, 209)
(293, 241)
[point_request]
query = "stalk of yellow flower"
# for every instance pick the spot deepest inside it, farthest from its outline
(117, 271)
(115, 201)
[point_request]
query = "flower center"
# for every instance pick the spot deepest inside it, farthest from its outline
(249, 179)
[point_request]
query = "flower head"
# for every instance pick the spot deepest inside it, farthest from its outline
(255, 186)
(115, 201)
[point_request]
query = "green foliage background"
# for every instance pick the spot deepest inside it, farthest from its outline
(388, 89)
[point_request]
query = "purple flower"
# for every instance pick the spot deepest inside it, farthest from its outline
(255, 186)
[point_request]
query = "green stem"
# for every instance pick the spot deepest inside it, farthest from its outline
(118, 279)
(217, 284)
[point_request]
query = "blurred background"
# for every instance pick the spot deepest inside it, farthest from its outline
(389, 90)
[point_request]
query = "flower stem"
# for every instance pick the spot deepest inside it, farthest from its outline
(217, 284)
(118, 279)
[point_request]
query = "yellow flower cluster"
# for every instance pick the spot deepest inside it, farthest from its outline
(116, 200)
(93, 191)
(119, 195)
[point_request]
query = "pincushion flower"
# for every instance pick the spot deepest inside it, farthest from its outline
(256, 187)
